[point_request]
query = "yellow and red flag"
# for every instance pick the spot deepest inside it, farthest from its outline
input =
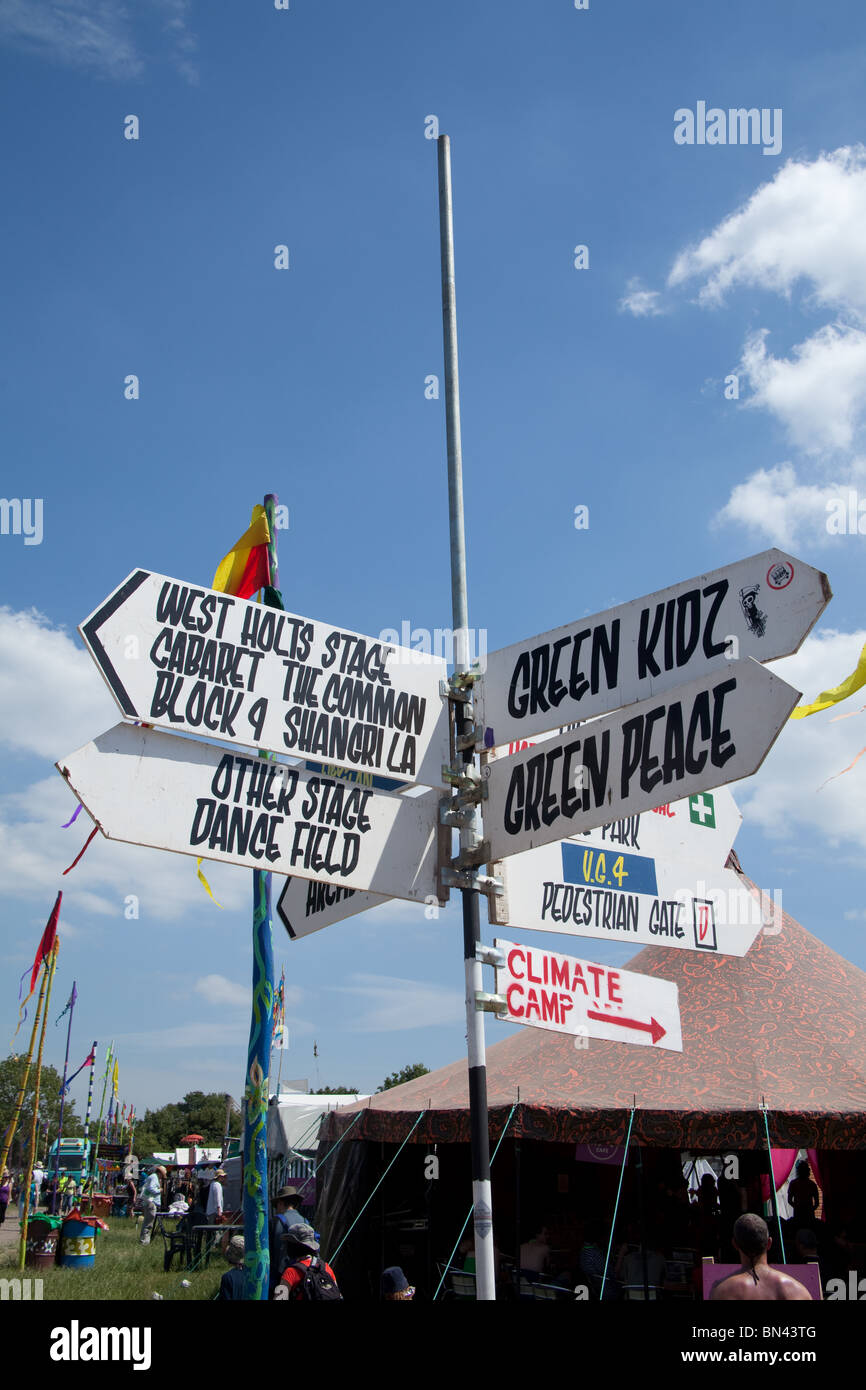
(246, 569)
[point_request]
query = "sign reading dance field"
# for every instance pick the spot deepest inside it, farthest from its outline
(202, 662)
(704, 735)
(762, 608)
(179, 794)
(567, 995)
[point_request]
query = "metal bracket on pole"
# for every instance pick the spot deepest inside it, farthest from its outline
(490, 955)
(490, 1003)
(465, 778)
(473, 858)
(454, 815)
(450, 692)
(465, 878)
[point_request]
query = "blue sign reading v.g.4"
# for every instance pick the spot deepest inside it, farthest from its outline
(605, 868)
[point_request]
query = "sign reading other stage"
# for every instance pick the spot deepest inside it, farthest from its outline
(567, 995)
(704, 735)
(150, 788)
(762, 607)
(203, 662)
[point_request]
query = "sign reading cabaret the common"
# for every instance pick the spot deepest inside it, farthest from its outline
(706, 734)
(653, 880)
(203, 662)
(762, 608)
(179, 794)
(567, 995)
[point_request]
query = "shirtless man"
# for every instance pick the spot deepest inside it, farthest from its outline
(756, 1281)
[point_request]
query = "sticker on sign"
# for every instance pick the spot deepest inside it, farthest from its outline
(152, 788)
(762, 607)
(547, 990)
(201, 662)
(704, 735)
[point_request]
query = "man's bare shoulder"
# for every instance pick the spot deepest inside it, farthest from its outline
(772, 1286)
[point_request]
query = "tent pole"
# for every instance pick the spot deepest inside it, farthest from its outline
(773, 1197)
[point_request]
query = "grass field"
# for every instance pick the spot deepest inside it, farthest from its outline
(124, 1269)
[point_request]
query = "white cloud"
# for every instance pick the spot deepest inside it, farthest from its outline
(98, 35)
(773, 504)
(786, 797)
(216, 989)
(806, 224)
(639, 302)
(52, 698)
(395, 1004)
(818, 394)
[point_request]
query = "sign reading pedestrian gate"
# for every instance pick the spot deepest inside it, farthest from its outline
(179, 794)
(203, 662)
(567, 995)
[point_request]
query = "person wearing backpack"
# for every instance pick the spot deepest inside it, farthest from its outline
(306, 1278)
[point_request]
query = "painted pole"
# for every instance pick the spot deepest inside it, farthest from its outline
(255, 1201)
(22, 1243)
(86, 1165)
(470, 835)
(22, 1090)
(93, 1172)
(72, 998)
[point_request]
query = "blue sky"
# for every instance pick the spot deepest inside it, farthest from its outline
(603, 386)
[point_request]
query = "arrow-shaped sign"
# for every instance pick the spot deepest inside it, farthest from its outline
(179, 794)
(651, 880)
(202, 662)
(762, 607)
(713, 731)
(547, 990)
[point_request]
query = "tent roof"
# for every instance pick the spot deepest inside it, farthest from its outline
(783, 1026)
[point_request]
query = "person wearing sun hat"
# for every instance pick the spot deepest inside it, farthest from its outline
(215, 1198)
(234, 1279)
(394, 1286)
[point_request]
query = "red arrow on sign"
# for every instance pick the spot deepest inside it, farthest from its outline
(653, 1027)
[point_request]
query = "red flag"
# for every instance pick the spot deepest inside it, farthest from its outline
(46, 945)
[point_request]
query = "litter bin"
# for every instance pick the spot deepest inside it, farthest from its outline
(43, 1234)
(101, 1204)
(78, 1243)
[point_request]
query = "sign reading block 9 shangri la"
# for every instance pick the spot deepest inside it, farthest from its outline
(202, 662)
(180, 794)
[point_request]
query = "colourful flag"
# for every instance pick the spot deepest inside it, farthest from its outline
(114, 1084)
(246, 567)
(46, 946)
(70, 1004)
(86, 1063)
(855, 681)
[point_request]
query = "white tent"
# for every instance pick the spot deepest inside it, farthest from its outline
(294, 1117)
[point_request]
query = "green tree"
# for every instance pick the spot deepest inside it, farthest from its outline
(11, 1076)
(199, 1112)
(335, 1091)
(406, 1074)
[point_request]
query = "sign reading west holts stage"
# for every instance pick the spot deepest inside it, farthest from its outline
(762, 608)
(179, 794)
(202, 662)
(705, 734)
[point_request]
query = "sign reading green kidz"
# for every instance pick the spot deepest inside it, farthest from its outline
(203, 662)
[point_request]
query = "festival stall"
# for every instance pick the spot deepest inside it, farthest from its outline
(774, 1055)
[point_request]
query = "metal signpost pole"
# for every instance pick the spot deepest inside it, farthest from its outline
(469, 834)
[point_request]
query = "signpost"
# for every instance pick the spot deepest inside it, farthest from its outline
(762, 607)
(547, 990)
(305, 905)
(655, 879)
(151, 788)
(203, 662)
(713, 731)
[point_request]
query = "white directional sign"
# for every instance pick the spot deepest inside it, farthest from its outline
(762, 608)
(567, 995)
(631, 881)
(704, 735)
(306, 906)
(201, 662)
(179, 794)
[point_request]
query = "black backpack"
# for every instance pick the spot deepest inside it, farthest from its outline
(316, 1284)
